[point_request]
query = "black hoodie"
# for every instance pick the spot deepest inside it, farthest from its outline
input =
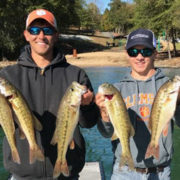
(43, 90)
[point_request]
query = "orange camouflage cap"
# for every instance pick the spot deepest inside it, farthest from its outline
(41, 14)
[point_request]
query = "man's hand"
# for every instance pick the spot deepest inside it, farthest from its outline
(100, 101)
(87, 98)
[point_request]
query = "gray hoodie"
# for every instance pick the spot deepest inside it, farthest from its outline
(138, 96)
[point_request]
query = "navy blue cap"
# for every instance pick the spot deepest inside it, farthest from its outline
(143, 37)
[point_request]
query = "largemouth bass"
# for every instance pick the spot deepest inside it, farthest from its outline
(67, 119)
(26, 120)
(163, 109)
(120, 120)
(7, 123)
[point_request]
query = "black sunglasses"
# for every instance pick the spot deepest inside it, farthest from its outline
(36, 30)
(133, 52)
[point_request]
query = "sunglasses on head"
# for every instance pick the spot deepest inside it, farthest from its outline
(36, 30)
(146, 52)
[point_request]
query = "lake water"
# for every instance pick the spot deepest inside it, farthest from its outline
(98, 147)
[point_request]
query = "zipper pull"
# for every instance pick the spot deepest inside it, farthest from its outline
(42, 71)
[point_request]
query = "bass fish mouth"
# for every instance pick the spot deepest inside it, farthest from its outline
(109, 96)
(9, 97)
(74, 105)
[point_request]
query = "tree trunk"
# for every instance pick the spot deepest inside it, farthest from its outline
(173, 32)
(168, 48)
(169, 52)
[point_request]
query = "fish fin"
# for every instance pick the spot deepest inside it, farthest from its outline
(35, 154)
(165, 130)
(14, 106)
(65, 169)
(60, 168)
(167, 106)
(32, 157)
(114, 137)
(149, 151)
(150, 125)
(72, 145)
(40, 155)
(126, 159)
(21, 134)
(55, 138)
(15, 156)
(37, 124)
(152, 151)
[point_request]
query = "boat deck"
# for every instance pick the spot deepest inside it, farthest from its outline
(92, 171)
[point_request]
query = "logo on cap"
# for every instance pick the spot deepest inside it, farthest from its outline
(40, 12)
(139, 36)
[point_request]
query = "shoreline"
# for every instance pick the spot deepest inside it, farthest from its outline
(106, 59)
(113, 59)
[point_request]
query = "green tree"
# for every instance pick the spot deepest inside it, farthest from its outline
(13, 14)
(106, 24)
(90, 17)
(176, 15)
(157, 15)
(119, 16)
(153, 14)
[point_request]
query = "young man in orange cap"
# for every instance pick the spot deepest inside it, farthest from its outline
(43, 75)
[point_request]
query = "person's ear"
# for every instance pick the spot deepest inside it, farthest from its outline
(56, 36)
(26, 35)
(155, 53)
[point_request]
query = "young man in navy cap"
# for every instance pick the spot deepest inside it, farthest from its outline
(42, 75)
(138, 89)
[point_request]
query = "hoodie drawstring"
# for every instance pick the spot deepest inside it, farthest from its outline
(154, 84)
(136, 105)
(51, 69)
(35, 73)
(42, 71)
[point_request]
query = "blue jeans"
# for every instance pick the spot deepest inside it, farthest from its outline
(126, 174)
(12, 178)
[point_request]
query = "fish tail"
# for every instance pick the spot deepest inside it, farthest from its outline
(126, 159)
(35, 154)
(60, 168)
(152, 150)
(40, 155)
(15, 156)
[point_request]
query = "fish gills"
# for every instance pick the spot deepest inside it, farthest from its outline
(163, 109)
(25, 118)
(7, 123)
(67, 119)
(120, 120)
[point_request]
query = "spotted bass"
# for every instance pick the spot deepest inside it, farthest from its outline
(7, 123)
(163, 109)
(25, 118)
(67, 119)
(120, 120)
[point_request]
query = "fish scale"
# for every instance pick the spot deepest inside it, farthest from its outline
(120, 120)
(7, 123)
(163, 109)
(67, 119)
(25, 119)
